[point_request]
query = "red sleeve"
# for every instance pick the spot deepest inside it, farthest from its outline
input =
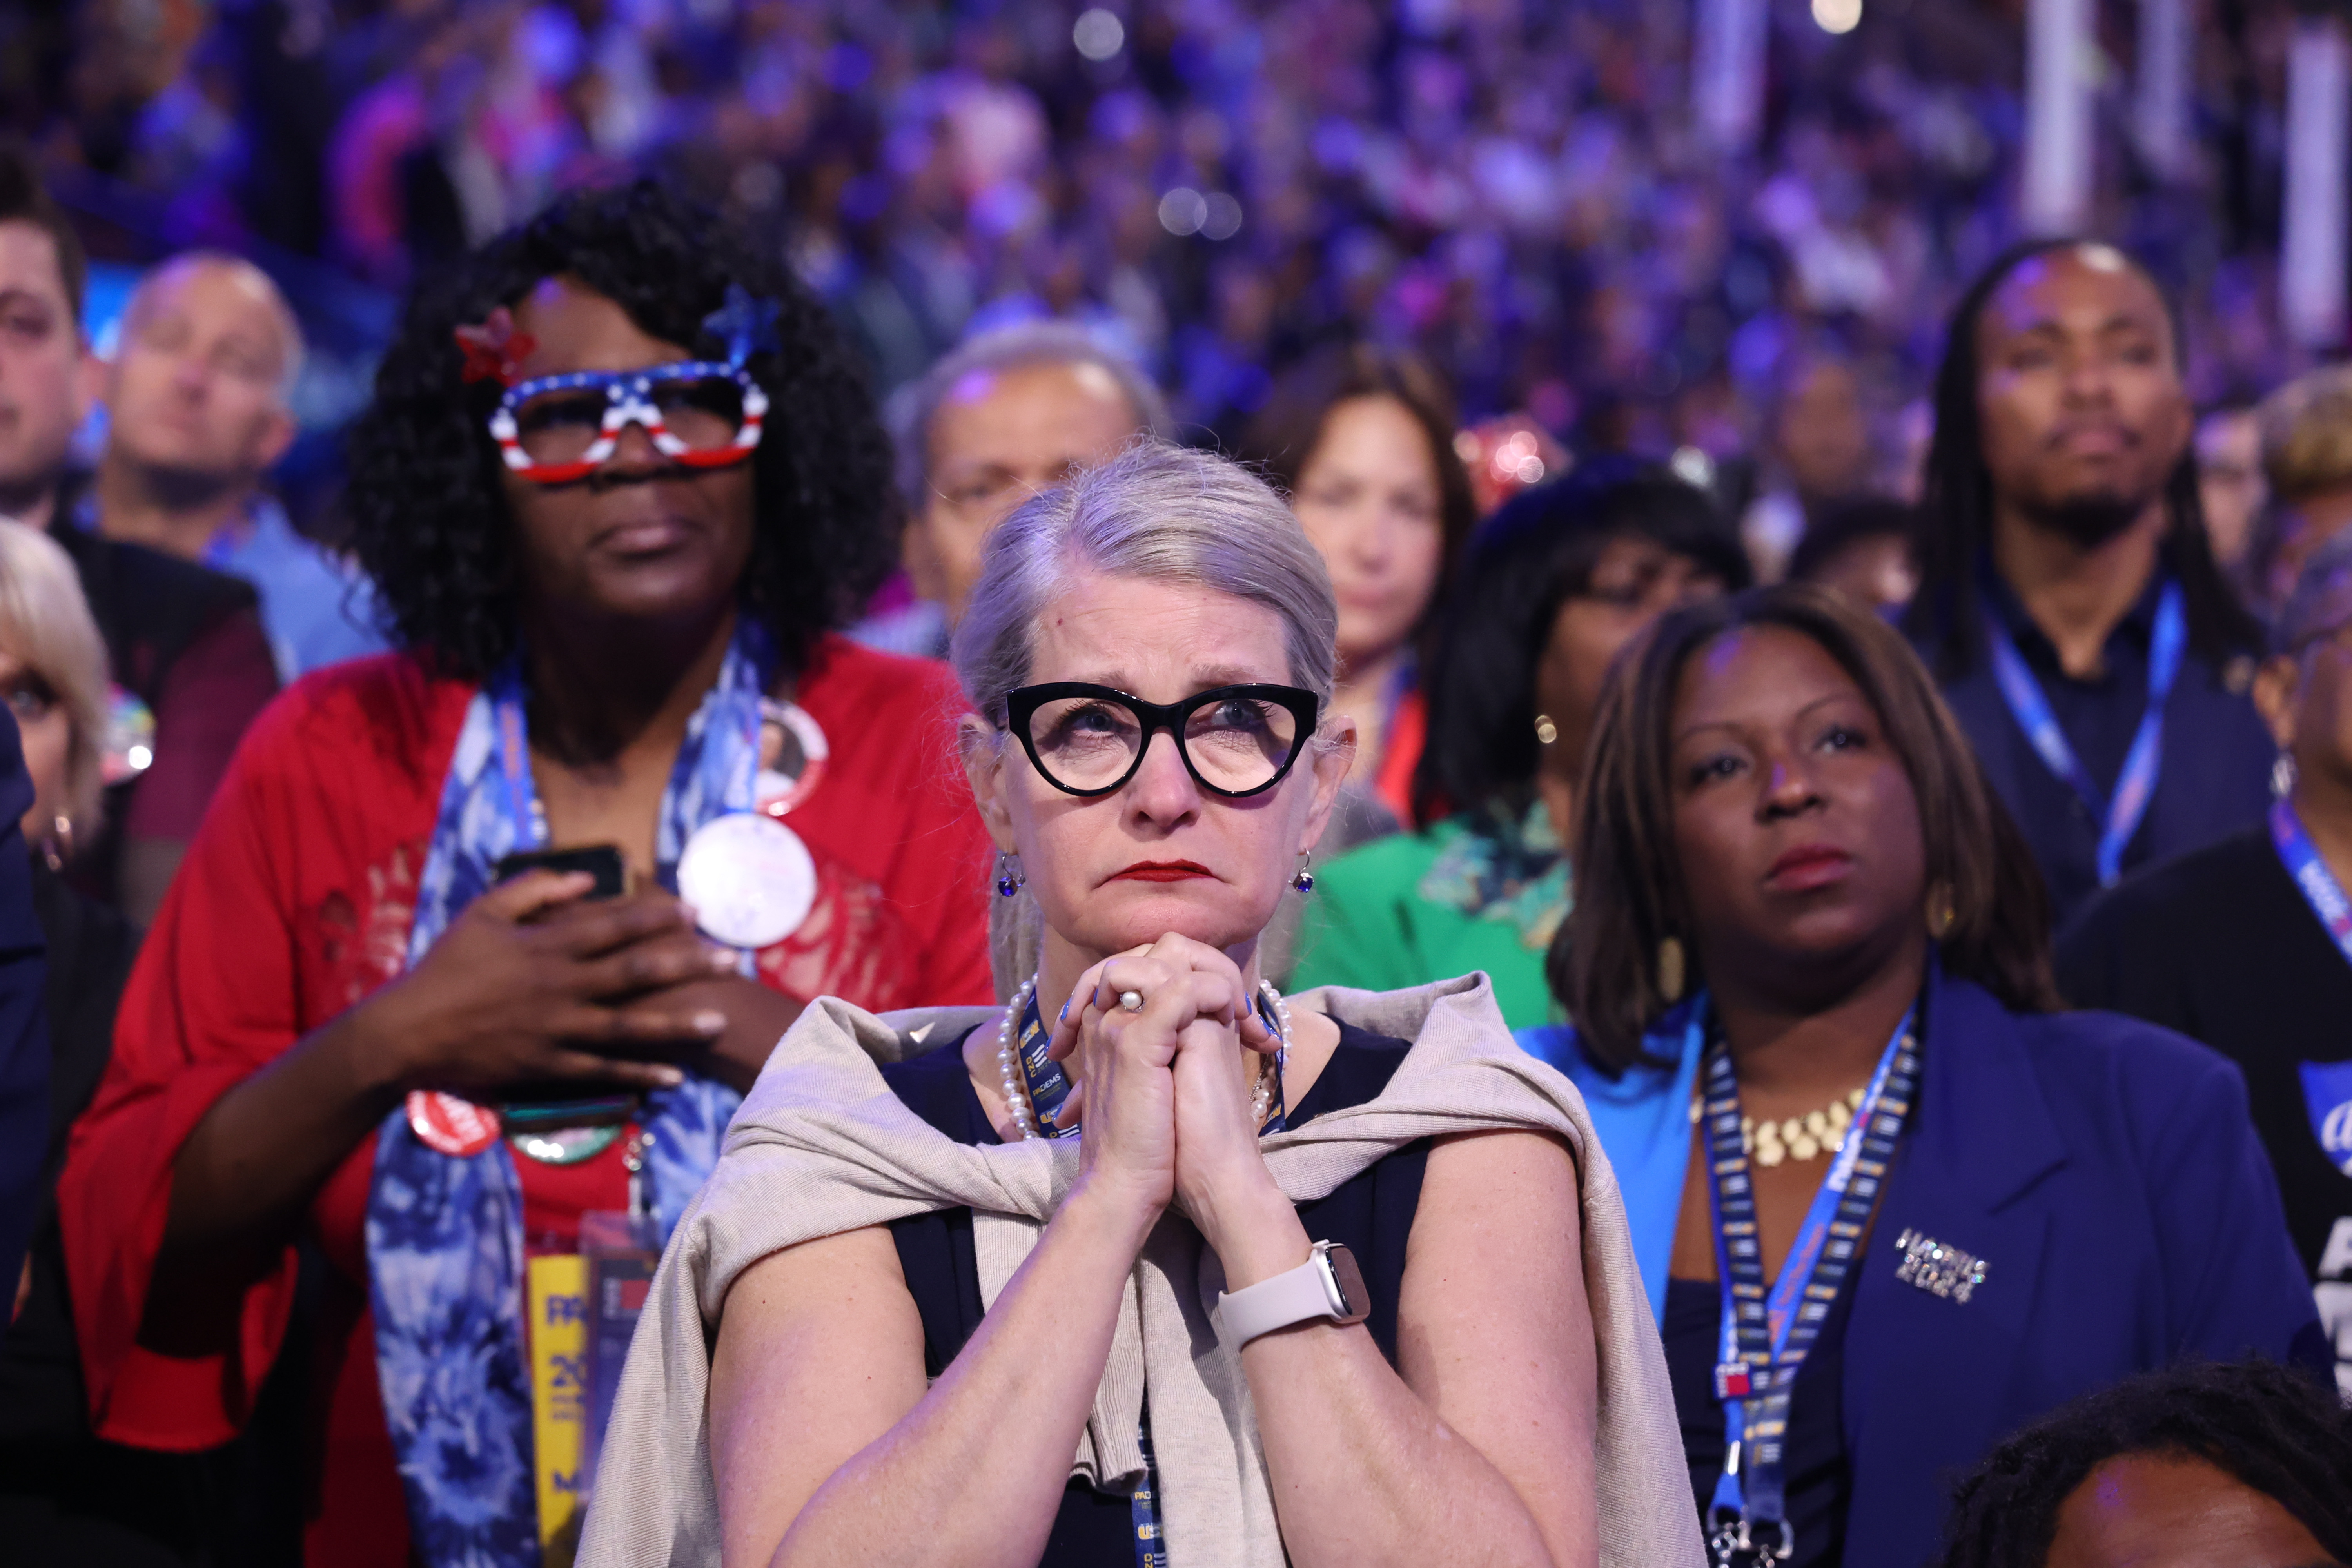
(896, 807)
(242, 960)
(210, 696)
(1408, 733)
(944, 884)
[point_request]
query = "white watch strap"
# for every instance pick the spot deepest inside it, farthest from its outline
(1291, 1296)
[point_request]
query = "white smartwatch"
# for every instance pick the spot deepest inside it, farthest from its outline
(1328, 1285)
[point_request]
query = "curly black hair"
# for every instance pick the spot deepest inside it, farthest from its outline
(428, 521)
(2275, 1428)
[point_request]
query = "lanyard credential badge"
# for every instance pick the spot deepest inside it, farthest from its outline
(2327, 1097)
(1767, 1334)
(2327, 1086)
(2118, 816)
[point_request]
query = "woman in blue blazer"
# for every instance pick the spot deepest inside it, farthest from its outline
(1816, 1028)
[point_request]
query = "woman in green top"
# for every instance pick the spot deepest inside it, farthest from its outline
(1555, 583)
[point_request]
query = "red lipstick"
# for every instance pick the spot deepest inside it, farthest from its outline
(1162, 872)
(1808, 867)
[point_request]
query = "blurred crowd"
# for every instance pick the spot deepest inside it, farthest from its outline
(1512, 189)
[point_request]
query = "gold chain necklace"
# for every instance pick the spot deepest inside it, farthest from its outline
(1806, 1137)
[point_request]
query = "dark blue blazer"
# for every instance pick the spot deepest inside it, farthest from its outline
(23, 1026)
(2106, 1172)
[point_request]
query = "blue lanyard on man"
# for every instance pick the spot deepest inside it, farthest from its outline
(1767, 1336)
(2118, 816)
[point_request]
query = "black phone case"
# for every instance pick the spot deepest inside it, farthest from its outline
(602, 861)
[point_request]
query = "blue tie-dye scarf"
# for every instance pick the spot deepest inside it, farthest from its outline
(445, 1237)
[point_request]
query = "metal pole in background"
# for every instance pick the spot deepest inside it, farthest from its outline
(2318, 119)
(1727, 47)
(2161, 93)
(2055, 197)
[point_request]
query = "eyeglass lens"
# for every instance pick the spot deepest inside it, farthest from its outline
(705, 412)
(1235, 745)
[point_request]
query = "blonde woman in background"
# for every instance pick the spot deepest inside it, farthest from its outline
(53, 677)
(2307, 434)
(65, 1497)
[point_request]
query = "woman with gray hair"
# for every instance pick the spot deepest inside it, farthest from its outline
(1154, 1260)
(2247, 944)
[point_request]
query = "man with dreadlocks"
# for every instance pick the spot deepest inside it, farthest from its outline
(2069, 603)
(2234, 1465)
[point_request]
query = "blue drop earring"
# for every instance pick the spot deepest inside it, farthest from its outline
(1009, 879)
(1305, 880)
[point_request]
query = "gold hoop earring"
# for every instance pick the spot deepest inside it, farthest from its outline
(1671, 974)
(1941, 914)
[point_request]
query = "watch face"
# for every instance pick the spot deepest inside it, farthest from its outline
(1355, 1301)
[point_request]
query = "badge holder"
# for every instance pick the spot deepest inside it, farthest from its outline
(619, 1250)
(556, 1300)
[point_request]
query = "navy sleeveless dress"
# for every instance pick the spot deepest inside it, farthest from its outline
(1370, 1214)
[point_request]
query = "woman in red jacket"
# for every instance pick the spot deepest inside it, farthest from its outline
(619, 481)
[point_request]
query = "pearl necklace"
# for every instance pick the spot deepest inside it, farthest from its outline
(1016, 1093)
(1800, 1138)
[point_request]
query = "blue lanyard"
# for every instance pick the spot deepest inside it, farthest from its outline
(2311, 874)
(1047, 1086)
(516, 792)
(2119, 816)
(1767, 1336)
(717, 763)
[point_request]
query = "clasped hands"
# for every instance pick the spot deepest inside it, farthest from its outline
(1163, 1093)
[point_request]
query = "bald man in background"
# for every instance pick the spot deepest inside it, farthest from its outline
(198, 415)
(1009, 415)
(184, 643)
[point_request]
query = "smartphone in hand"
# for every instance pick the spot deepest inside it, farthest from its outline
(602, 861)
(554, 1105)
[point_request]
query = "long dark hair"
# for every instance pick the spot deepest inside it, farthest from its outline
(428, 521)
(1285, 432)
(1956, 508)
(1629, 893)
(1534, 554)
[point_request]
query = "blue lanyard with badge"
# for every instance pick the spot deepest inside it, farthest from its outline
(2327, 1086)
(2118, 816)
(1766, 1336)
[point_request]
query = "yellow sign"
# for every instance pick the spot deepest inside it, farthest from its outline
(558, 1399)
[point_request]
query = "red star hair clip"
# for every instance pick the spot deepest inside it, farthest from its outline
(494, 350)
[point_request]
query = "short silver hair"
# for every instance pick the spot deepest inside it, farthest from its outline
(912, 408)
(1156, 512)
(2305, 614)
